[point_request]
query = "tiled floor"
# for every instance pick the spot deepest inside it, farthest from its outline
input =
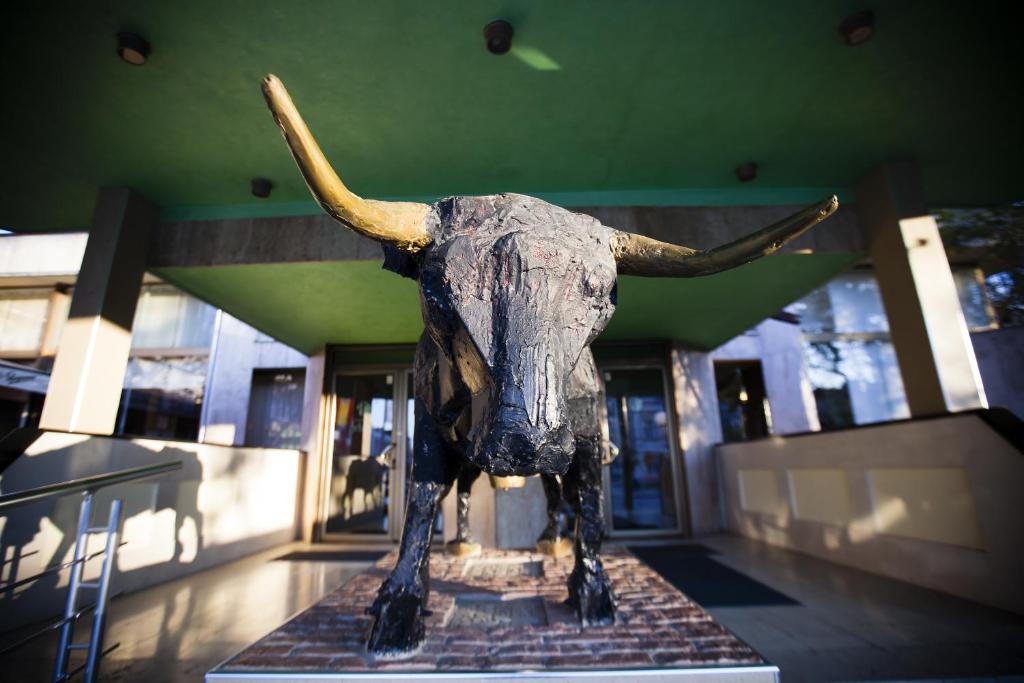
(845, 625)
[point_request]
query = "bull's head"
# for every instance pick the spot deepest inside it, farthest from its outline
(513, 289)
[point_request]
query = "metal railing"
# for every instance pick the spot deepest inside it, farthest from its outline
(87, 486)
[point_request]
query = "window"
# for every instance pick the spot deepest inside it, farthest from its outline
(166, 376)
(970, 287)
(22, 319)
(275, 408)
(162, 397)
(166, 318)
(742, 402)
(852, 363)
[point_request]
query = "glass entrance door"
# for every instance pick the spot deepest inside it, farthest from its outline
(368, 451)
(640, 484)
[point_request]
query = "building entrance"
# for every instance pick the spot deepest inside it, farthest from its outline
(368, 455)
(640, 484)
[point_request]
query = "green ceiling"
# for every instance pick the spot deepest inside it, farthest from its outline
(357, 302)
(602, 101)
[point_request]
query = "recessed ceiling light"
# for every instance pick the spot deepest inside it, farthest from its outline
(498, 35)
(132, 48)
(858, 28)
(261, 187)
(746, 172)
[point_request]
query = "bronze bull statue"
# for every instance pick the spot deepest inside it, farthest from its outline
(513, 291)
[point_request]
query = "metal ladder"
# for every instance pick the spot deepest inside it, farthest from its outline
(94, 645)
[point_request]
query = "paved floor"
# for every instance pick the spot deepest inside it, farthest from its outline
(179, 630)
(840, 625)
(850, 625)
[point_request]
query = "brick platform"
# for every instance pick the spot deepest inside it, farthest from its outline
(502, 613)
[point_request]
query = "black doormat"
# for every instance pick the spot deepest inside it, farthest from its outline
(708, 582)
(333, 556)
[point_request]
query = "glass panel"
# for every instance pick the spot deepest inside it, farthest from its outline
(857, 304)
(361, 474)
(742, 402)
(973, 299)
(168, 318)
(642, 490)
(162, 397)
(275, 408)
(22, 318)
(855, 382)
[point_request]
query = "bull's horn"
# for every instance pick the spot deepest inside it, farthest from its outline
(401, 224)
(639, 255)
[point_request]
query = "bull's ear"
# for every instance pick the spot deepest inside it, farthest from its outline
(401, 262)
(639, 255)
(402, 225)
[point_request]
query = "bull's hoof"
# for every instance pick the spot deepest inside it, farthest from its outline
(555, 547)
(398, 629)
(462, 548)
(592, 597)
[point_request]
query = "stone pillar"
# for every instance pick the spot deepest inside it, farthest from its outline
(315, 403)
(89, 368)
(929, 333)
(700, 429)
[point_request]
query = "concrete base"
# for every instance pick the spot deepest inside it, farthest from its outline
(557, 548)
(736, 674)
(462, 549)
(501, 615)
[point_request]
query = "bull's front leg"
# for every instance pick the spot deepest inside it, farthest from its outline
(589, 589)
(402, 599)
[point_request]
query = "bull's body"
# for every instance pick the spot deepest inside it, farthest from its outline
(513, 292)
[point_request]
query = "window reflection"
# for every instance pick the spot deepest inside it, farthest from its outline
(162, 397)
(851, 361)
(275, 408)
(166, 376)
(361, 473)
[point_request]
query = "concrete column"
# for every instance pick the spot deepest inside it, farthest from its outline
(315, 423)
(937, 363)
(89, 368)
(700, 428)
(56, 313)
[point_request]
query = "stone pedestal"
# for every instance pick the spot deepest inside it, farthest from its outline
(502, 615)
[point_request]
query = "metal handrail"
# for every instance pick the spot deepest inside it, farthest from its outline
(93, 483)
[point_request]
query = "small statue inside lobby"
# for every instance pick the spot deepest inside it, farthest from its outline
(513, 291)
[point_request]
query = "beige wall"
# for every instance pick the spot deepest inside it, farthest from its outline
(223, 504)
(935, 502)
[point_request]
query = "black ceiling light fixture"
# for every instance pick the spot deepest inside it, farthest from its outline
(746, 172)
(132, 48)
(498, 35)
(858, 28)
(261, 187)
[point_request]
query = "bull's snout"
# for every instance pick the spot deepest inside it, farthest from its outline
(512, 446)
